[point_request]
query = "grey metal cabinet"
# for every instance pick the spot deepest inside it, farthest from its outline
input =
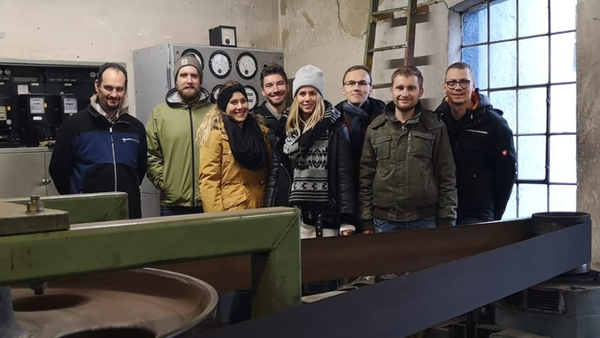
(24, 172)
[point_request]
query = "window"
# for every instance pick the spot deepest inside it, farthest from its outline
(523, 55)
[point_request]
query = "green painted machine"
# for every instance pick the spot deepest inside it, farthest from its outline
(71, 235)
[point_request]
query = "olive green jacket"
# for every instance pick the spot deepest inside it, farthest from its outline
(173, 155)
(407, 170)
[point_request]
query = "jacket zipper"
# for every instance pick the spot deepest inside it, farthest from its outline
(112, 145)
(193, 157)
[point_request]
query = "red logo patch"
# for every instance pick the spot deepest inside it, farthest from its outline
(504, 152)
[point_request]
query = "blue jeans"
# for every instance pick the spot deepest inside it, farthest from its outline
(383, 225)
(174, 211)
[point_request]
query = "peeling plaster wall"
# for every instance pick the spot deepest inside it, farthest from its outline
(588, 117)
(85, 31)
(328, 34)
(331, 35)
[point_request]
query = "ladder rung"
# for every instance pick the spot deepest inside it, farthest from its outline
(381, 85)
(383, 49)
(387, 14)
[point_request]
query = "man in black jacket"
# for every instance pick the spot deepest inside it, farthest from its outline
(482, 144)
(359, 109)
(102, 148)
(274, 88)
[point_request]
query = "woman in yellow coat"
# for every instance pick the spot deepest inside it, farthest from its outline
(233, 166)
(234, 154)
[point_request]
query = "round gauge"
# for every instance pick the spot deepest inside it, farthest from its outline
(92, 74)
(215, 93)
(246, 65)
(252, 95)
(196, 54)
(220, 64)
(7, 71)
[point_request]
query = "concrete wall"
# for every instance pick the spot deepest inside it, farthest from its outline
(331, 35)
(588, 116)
(90, 31)
(328, 34)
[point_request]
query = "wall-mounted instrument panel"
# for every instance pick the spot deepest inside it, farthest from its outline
(35, 98)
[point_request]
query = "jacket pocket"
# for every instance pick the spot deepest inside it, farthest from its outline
(381, 145)
(422, 144)
(235, 199)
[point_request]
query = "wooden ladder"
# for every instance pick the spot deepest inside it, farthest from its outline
(376, 16)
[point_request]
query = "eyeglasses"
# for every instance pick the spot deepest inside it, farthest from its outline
(464, 84)
(351, 84)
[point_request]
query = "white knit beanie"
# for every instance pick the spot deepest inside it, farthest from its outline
(308, 75)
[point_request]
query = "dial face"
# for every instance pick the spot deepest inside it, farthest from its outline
(215, 93)
(252, 95)
(196, 54)
(228, 36)
(247, 66)
(220, 64)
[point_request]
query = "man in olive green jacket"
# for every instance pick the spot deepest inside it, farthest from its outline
(407, 178)
(173, 155)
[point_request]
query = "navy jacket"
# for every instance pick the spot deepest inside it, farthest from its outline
(95, 155)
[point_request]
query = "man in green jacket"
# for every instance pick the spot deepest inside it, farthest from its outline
(171, 131)
(407, 178)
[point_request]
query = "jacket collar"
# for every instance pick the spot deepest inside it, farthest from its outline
(98, 109)
(420, 116)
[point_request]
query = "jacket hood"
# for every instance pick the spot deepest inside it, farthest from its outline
(480, 104)
(174, 100)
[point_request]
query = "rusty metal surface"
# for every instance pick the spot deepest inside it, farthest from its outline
(339, 257)
(413, 302)
(156, 301)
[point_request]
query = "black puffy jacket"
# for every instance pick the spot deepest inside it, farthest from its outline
(340, 172)
(485, 158)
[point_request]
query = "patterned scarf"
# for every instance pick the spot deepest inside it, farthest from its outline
(308, 154)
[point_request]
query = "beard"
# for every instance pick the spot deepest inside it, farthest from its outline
(189, 94)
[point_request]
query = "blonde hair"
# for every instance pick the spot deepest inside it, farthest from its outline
(296, 123)
(212, 120)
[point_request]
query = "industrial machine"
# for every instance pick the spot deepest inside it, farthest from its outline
(153, 67)
(452, 270)
(564, 307)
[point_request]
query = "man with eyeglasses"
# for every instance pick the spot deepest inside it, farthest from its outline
(482, 144)
(359, 109)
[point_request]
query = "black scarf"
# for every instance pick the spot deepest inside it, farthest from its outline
(248, 145)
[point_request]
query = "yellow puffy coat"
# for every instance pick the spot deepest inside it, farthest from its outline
(224, 183)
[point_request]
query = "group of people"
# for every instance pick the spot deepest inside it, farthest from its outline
(359, 166)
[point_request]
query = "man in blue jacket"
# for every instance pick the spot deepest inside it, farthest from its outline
(482, 144)
(102, 148)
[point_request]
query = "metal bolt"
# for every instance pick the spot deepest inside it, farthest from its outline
(39, 288)
(35, 204)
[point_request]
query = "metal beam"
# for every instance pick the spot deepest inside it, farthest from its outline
(104, 246)
(86, 208)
